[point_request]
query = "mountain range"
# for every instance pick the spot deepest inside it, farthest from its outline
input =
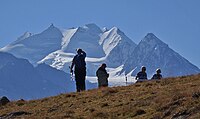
(56, 47)
(52, 51)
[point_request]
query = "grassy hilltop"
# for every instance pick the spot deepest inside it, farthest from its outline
(176, 98)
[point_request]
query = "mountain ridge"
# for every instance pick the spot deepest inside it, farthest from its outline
(153, 53)
(110, 46)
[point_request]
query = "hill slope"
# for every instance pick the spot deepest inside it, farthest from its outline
(168, 98)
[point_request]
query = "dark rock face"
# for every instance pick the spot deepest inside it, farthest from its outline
(4, 100)
(14, 115)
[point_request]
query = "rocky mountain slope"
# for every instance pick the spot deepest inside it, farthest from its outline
(153, 53)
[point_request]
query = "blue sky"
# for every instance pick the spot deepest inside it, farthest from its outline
(175, 22)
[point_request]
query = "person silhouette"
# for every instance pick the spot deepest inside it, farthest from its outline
(142, 75)
(80, 69)
(157, 75)
(102, 76)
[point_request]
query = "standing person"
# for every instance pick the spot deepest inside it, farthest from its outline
(80, 69)
(157, 75)
(102, 76)
(142, 75)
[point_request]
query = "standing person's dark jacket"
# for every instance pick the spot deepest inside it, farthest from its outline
(80, 69)
(102, 76)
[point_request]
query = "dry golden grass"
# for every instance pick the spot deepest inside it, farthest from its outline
(170, 98)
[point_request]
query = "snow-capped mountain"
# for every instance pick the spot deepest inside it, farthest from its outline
(117, 47)
(35, 47)
(19, 79)
(86, 37)
(57, 47)
(153, 53)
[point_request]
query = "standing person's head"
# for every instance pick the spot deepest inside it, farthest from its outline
(79, 51)
(103, 65)
(158, 71)
(143, 69)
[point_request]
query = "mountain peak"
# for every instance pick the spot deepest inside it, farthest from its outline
(52, 31)
(92, 27)
(25, 35)
(52, 25)
(115, 29)
(152, 40)
(150, 36)
(104, 29)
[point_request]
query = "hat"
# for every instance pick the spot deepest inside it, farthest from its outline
(143, 68)
(158, 70)
(79, 50)
(103, 65)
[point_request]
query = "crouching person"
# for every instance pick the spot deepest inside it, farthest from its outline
(102, 76)
(157, 75)
(142, 75)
